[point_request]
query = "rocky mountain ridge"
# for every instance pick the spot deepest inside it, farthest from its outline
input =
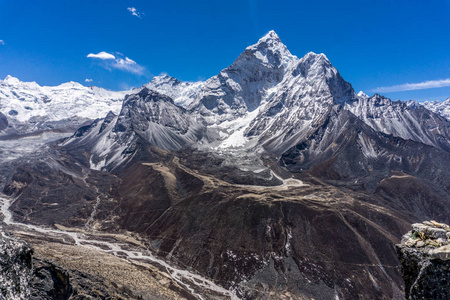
(267, 101)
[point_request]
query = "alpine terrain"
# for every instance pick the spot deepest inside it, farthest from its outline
(271, 180)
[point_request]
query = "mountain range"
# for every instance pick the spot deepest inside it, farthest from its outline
(273, 179)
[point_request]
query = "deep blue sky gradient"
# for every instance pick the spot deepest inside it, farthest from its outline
(371, 43)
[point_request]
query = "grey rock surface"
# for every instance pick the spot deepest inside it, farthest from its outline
(15, 268)
(424, 256)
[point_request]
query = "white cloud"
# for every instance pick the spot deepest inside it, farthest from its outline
(88, 80)
(101, 55)
(118, 61)
(2, 42)
(413, 86)
(128, 65)
(134, 12)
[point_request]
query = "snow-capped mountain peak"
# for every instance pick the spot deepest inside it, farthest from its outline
(11, 80)
(271, 35)
(164, 79)
(270, 51)
(440, 107)
(363, 95)
(270, 40)
(183, 93)
(313, 64)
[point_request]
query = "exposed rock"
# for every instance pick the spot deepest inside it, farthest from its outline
(15, 268)
(425, 260)
(49, 281)
(3, 122)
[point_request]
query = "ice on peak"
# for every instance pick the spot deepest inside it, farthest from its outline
(271, 35)
(318, 63)
(70, 84)
(164, 78)
(315, 57)
(11, 80)
(269, 49)
(361, 94)
(270, 41)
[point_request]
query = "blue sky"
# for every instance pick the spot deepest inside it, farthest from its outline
(373, 44)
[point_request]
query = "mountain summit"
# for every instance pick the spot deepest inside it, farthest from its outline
(267, 100)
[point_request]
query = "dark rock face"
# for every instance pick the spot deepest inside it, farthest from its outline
(49, 282)
(15, 268)
(13, 112)
(424, 255)
(3, 122)
(22, 277)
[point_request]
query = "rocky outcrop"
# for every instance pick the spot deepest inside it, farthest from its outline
(3, 122)
(49, 281)
(15, 268)
(24, 277)
(425, 260)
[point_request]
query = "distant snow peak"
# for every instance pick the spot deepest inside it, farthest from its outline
(440, 107)
(164, 79)
(29, 102)
(11, 80)
(361, 94)
(183, 93)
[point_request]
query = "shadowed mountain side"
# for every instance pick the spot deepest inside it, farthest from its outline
(269, 240)
(347, 151)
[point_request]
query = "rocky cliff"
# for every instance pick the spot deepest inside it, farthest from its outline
(425, 260)
(15, 268)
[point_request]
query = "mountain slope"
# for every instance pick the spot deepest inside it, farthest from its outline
(402, 120)
(146, 118)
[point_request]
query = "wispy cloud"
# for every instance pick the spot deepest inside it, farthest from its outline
(134, 12)
(118, 61)
(128, 65)
(413, 86)
(88, 80)
(2, 42)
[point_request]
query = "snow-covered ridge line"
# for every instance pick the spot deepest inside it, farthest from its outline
(28, 101)
(440, 107)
